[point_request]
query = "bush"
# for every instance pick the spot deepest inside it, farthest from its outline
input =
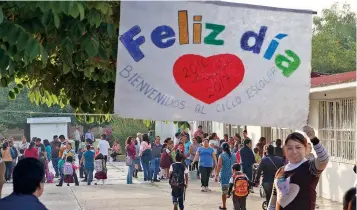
(123, 128)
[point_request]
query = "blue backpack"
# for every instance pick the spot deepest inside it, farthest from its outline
(146, 157)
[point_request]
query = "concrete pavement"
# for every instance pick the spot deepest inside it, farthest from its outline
(116, 194)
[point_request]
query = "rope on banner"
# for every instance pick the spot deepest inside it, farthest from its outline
(52, 113)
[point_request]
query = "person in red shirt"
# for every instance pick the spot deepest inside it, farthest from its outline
(31, 152)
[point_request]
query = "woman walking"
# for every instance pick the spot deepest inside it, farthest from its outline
(224, 170)
(207, 158)
(7, 158)
(87, 161)
(130, 158)
(193, 149)
(295, 184)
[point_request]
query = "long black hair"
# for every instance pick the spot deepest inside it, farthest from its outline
(32, 144)
(146, 138)
(225, 148)
(5, 145)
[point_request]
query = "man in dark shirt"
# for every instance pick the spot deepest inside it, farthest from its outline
(247, 159)
(55, 146)
(156, 150)
(268, 166)
(28, 185)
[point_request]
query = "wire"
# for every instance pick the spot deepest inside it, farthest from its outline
(53, 113)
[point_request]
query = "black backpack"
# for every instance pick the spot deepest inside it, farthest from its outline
(177, 177)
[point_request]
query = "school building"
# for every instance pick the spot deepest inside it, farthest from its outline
(332, 115)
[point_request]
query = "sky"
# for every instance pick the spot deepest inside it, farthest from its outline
(315, 5)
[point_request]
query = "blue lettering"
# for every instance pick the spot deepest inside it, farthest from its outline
(259, 38)
(133, 46)
(163, 36)
(159, 97)
(272, 46)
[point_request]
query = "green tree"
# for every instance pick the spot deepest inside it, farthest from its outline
(123, 128)
(64, 52)
(14, 114)
(334, 40)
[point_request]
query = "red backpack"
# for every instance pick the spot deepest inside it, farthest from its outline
(241, 185)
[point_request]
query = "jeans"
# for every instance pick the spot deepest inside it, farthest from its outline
(81, 171)
(239, 203)
(76, 145)
(155, 167)
(205, 174)
(89, 172)
(188, 164)
(268, 188)
(74, 176)
(177, 197)
(146, 168)
(55, 165)
(8, 166)
(129, 177)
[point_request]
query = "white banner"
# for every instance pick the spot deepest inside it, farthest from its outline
(226, 62)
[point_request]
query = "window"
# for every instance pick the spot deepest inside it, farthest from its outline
(280, 133)
(337, 127)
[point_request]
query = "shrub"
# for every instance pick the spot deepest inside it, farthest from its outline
(122, 128)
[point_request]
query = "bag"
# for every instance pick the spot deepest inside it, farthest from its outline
(146, 157)
(129, 161)
(98, 165)
(68, 179)
(177, 177)
(49, 177)
(68, 169)
(241, 186)
(100, 175)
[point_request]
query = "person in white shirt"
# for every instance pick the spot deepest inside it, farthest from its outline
(104, 146)
(77, 138)
(89, 135)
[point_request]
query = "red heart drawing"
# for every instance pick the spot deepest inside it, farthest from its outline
(208, 79)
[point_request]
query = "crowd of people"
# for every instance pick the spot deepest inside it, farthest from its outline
(288, 176)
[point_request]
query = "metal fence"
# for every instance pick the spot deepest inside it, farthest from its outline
(337, 128)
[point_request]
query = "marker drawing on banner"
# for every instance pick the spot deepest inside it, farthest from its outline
(184, 64)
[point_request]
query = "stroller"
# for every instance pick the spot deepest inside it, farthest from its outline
(262, 195)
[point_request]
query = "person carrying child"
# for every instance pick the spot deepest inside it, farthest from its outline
(239, 183)
(69, 173)
(178, 181)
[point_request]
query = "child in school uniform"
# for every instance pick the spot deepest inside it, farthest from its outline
(178, 181)
(239, 183)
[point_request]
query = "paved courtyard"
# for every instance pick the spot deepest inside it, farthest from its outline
(115, 194)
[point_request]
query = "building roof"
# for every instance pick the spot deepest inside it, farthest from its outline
(333, 79)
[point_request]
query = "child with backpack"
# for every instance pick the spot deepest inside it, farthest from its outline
(100, 168)
(239, 183)
(69, 173)
(178, 181)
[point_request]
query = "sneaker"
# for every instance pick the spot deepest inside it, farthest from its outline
(208, 190)
(203, 189)
(175, 206)
(58, 185)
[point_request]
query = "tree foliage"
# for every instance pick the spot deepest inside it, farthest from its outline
(14, 114)
(64, 52)
(123, 128)
(334, 40)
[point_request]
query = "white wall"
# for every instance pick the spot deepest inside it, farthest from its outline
(47, 131)
(254, 133)
(337, 177)
(336, 180)
(165, 130)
